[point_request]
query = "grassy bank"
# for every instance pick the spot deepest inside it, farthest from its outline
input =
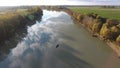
(111, 13)
(12, 21)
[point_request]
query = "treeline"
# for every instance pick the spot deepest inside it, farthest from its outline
(56, 8)
(106, 29)
(109, 6)
(12, 21)
(112, 7)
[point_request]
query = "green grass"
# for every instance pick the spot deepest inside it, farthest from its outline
(104, 12)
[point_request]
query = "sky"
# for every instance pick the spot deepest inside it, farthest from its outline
(58, 2)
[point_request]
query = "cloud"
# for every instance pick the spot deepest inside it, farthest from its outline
(82, 0)
(57, 2)
(98, 2)
(95, 0)
(41, 37)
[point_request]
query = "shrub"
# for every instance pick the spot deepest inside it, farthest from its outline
(93, 15)
(73, 14)
(115, 31)
(112, 22)
(118, 39)
(110, 33)
(37, 9)
(118, 25)
(105, 31)
(79, 17)
(31, 17)
(98, 17)
(97, 25)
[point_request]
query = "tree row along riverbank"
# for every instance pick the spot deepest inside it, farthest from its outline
(13, 21)
(107, 30)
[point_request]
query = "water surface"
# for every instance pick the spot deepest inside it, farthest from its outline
(77, 48)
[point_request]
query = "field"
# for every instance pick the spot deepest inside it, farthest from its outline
(112, 13)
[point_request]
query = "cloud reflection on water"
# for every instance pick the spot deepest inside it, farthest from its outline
(41, 36)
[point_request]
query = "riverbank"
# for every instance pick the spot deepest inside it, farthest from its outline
(12, 21)
(105, 29)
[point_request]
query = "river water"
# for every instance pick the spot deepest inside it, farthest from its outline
(77, 48)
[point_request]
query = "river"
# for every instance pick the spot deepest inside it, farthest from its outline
(77, 48)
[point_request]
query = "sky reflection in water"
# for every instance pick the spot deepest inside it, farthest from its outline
(41, 36)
